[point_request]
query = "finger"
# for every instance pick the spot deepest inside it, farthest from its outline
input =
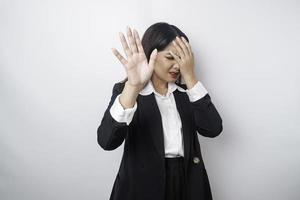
(125, 45)
(178, 48)
(119, 56)
(182, 45)
(152, 59)
(138, 41)
(188, 46)
(131, 40)
(177, 58)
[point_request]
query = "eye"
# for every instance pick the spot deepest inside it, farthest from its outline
(170, 58)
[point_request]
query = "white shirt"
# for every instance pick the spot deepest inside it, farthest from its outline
(172, 127)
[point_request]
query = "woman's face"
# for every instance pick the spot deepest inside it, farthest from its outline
(166, 65)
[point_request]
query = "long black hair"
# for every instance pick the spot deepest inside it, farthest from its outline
(158, 36)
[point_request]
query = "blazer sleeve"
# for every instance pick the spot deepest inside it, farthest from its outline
(111, 133)
(207, 119)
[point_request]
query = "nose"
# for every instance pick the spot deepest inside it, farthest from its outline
(176, 67)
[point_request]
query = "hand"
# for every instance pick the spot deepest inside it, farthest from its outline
(137, 68)
(185, 59)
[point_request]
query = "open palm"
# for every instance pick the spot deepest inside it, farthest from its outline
(138, 69)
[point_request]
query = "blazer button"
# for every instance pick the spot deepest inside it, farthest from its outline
(196, 160)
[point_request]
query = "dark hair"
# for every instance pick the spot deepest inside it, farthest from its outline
(158, 36)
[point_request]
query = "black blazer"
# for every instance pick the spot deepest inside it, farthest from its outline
(141, 175)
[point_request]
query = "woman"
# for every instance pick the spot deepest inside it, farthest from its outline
(158, 117)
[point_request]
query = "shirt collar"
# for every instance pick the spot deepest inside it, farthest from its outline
(149, 88)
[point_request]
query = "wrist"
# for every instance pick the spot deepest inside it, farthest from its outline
(134, 89)
(129, 95)
(190, 80)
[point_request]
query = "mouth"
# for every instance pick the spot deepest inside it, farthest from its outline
(174, 74)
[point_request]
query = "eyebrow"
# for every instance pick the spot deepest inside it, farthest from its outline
(167, 53)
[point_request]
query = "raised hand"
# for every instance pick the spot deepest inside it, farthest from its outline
(138, 70)
(185, 60)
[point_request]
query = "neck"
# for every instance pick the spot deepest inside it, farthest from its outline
(159, 85)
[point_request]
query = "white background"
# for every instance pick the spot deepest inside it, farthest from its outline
(57, 73)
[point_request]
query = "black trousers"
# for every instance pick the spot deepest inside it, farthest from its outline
(175, 180)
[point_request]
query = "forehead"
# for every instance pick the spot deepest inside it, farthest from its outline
(167, 49)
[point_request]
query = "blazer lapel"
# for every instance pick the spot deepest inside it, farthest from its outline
(151, 121)
(180, 99)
